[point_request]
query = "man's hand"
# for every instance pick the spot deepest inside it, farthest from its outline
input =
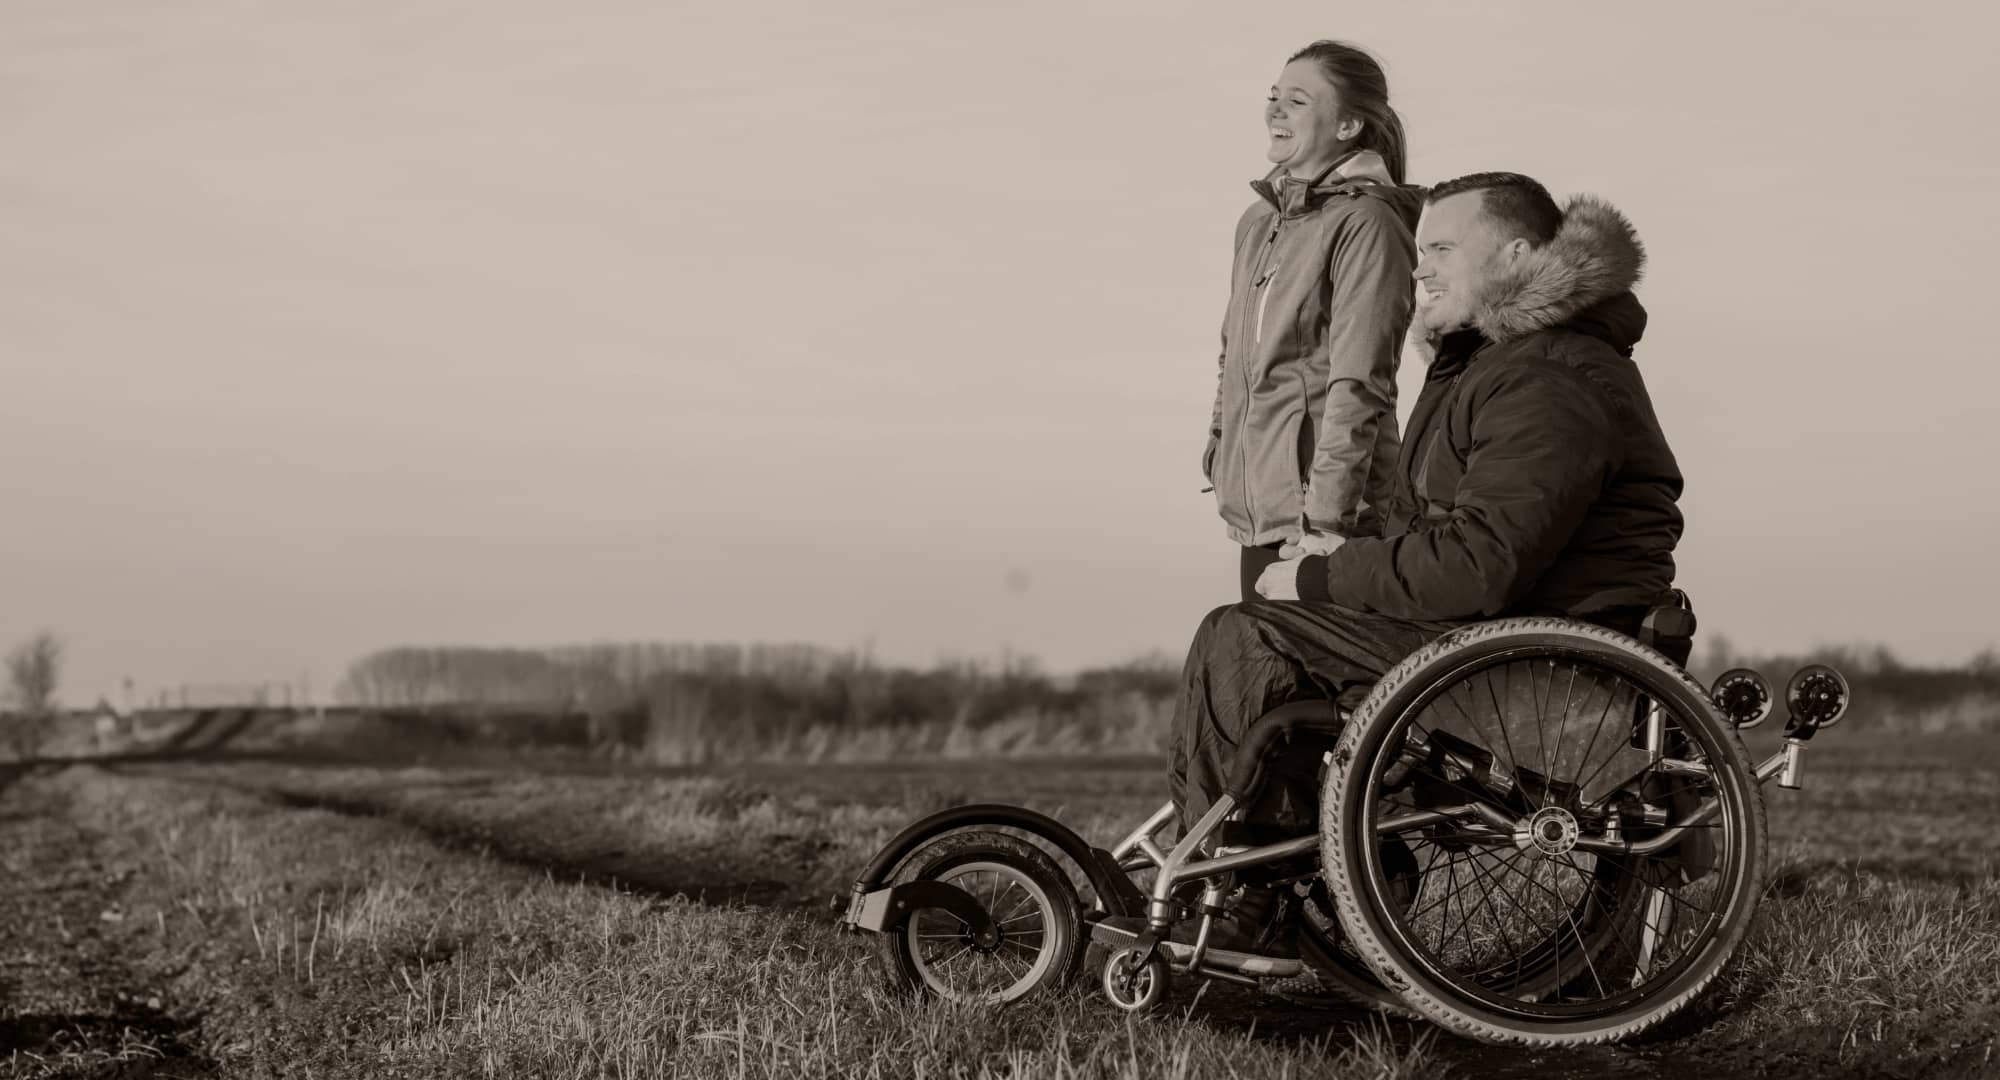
(1280, 580)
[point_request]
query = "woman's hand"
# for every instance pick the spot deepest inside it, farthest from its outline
(1312, 543)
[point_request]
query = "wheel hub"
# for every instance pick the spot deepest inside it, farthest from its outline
(1551, 831)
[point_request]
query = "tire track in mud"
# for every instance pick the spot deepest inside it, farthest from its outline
(690, 875)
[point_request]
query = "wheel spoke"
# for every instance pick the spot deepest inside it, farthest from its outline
(1583, 943)
(1499, 924)
(1533, 920)
(1610, 695)
(1500, 717)
(1543, 930)
(1562, 723)
(1433, 905)
(1027, 898)
(1673, 895)
(1465, 925)
(1541, 721)
(1608, 758)
(1487, 838)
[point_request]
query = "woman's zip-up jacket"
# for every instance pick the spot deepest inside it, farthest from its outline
(1304, 430)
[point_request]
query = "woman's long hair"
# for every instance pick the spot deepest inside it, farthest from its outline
(1364, 93)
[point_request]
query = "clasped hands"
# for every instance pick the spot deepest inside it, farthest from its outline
(1280, 580)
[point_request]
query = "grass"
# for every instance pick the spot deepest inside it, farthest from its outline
(259, 918)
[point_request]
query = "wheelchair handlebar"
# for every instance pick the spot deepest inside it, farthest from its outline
(1246, 769)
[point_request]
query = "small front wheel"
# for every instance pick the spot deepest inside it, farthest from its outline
(1036, 940)
(1136, 981)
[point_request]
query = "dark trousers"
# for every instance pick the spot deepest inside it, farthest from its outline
(1255, 559)
(1250, 658)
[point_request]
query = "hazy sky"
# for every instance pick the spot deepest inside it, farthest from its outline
(327, 327)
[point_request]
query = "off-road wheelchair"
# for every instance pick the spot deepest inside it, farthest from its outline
(1533, 830)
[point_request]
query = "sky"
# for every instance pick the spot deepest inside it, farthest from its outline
(892, 326)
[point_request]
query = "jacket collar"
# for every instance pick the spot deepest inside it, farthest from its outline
(1293, 196)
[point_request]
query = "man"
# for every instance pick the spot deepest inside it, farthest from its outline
(1534, 480)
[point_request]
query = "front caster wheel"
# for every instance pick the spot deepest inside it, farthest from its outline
(1134, 981)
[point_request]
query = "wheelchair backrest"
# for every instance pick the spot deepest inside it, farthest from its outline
(1669, 627)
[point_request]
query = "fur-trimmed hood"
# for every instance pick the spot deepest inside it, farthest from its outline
(1594, 256)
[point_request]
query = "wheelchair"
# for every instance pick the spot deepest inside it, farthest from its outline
(1534, 831)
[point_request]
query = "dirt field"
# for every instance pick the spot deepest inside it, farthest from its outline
(267, 917)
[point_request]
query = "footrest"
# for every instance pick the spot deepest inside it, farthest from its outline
(1120, 931)
(1116, 930)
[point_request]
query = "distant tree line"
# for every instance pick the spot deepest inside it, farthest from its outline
(695, 702)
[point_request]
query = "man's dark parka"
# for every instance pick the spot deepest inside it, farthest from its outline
(1534, 478)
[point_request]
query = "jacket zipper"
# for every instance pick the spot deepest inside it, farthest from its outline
(1264, 298)
(1261, 279)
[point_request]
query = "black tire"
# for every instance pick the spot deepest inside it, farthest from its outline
(1136, 981)
(1340, 978)
(1029, 897)
(1556, 943)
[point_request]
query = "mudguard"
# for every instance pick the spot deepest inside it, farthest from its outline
(871, 902)
(885, 909)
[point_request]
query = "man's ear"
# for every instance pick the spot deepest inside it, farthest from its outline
(1514, 250)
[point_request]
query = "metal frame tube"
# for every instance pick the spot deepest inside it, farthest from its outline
(1656, 730)
(1492, 815)
(1495, 817)
(1236, 860)
(1665, 840)
(1182, 864)
(1787, 765)
(1201, 941)
(1141, 838)
(1159, 913)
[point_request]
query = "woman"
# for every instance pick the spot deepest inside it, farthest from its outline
(1302, 445)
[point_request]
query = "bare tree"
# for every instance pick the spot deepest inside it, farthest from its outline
(33, 670)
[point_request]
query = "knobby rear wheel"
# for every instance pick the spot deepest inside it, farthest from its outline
(1536, 770)
(1339, 976)
(1038, 943)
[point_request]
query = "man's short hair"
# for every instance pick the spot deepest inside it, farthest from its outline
(1520, 205)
